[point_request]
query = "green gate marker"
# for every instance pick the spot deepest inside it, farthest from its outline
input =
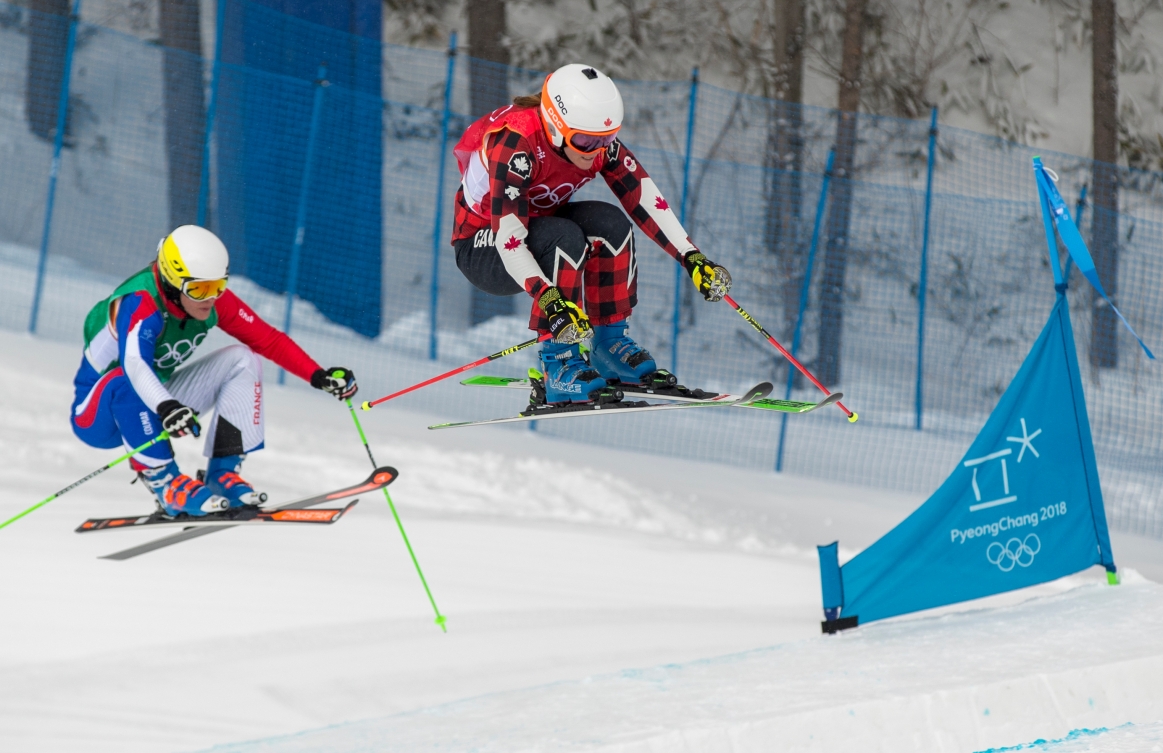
(440, 619)
(77, 483)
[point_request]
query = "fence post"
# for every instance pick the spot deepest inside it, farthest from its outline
(434, 292)
(686, 177)
(321, 84)
(211, 112)
(923, 284)
(58, 143)
(805, 290)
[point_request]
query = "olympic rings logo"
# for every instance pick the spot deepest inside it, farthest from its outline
(169, 355)
(543, 197)
(1015, 552)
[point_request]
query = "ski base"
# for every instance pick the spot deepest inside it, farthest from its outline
(674, 394)
(573, 410)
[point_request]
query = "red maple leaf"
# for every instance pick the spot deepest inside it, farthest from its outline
(660, 203)
(609, 122)
(512, 243)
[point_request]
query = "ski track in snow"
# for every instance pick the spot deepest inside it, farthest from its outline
(559, 566)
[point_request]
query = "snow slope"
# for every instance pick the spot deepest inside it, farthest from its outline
(559, 566)
(955, 682)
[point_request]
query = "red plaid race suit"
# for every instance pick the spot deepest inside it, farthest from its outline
(511, 172)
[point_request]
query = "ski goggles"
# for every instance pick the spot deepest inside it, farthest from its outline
(204, 290)
(588, 143)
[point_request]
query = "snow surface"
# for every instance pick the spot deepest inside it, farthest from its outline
(584, 589)
(1127, 738)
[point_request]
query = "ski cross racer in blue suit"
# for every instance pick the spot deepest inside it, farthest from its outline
(129, 387)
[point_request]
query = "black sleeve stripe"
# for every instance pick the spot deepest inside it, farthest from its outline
(512, 139)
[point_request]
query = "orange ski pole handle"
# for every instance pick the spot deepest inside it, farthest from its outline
(852, 417)
(369, 404)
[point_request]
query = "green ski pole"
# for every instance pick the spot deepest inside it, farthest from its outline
(77, 483)
(440, 619)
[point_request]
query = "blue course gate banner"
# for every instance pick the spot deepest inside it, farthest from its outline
(1022, 507)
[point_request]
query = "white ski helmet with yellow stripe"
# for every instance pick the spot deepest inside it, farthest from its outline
(194, 261)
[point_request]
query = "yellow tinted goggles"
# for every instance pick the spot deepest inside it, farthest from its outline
(204, 290)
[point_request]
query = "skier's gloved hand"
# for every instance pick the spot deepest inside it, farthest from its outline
(712, 279)
(568, 323)
(337, 380)
(177, 419)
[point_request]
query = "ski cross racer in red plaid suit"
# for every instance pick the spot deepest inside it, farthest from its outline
(516, 229)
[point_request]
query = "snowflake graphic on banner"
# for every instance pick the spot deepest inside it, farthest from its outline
(1025, 442)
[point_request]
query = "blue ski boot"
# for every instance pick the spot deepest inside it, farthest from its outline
(222, 478)
(177, 493)
(568, 377)
(619, 359)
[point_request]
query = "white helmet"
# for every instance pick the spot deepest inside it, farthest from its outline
(580, 106)
(194, 261)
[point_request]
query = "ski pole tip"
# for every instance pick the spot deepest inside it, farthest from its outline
(441, 620)
(854, 417)
(365, 405)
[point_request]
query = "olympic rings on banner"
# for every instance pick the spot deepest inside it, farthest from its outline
(1015, 552)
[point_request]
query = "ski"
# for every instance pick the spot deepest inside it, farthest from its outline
(378, 479)
(676, 394)
(574, 410)
(233, 517)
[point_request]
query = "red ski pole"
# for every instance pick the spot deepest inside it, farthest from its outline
(369, 404)
(803, 369)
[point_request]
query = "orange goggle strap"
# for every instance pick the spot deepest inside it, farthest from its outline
(553, 121)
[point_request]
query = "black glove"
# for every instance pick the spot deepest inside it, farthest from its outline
(712, 280)
(178, 420)
(568, 323)
(337, 380)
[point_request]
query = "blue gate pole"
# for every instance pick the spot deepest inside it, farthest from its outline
(211, 112)
(1079, 210)
(321, 84)
(686, 178)
(54, 170)
(923, 284)
(434, 292)
(805, 290)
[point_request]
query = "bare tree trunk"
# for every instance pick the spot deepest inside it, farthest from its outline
(488, 75)
(784, 160)
(48, 36)
(1104, 237)
(185, 111)
(840, 205)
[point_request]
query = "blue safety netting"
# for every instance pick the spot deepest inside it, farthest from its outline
(753, 182)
